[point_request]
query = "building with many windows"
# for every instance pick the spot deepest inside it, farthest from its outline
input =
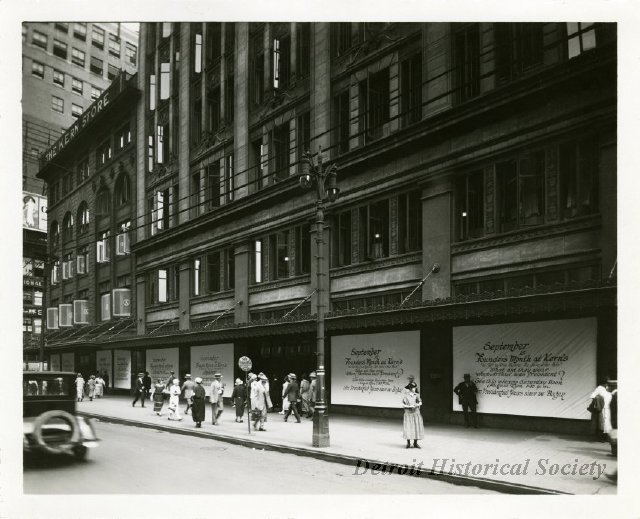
(476, 162)
(90, 269)
(65, 67)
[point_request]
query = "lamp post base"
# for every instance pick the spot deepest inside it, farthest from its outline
(321, 426)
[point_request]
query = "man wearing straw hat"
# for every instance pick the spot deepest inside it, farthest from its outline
(292, 395)
(215, 397)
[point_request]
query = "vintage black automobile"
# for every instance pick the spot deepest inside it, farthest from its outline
(49, 415)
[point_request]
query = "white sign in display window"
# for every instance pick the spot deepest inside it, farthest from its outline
(122, 369)
(206, 361)
(160, 364)
(371, 370)
(54, 362)
(104, 362)
(544, 368)
(68, 362)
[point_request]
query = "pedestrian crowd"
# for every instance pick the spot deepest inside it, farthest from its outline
(95, 387)
(298, 399)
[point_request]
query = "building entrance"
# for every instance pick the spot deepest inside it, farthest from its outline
(276, 357)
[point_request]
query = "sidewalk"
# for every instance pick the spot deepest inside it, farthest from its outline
(531, 462)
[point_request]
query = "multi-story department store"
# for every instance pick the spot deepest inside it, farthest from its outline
(487, 149)
(65, 68)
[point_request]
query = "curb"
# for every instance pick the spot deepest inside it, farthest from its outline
(343, 459)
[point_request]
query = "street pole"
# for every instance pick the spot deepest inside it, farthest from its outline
(324, 176)
(320, 415)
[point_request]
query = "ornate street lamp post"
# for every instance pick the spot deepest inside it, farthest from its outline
(323, 175)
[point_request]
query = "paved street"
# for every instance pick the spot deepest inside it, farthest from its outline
(380, 440)
(133, 460)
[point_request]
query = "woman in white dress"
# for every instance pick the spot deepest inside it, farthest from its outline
(285, 401)
(79, 387)
(413, 426)
(604, 418)
(99, 389)
(174, 400)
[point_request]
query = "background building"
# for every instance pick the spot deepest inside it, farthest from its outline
(65, 67)
(487, 149)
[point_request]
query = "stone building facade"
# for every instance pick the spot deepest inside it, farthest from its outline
(485, 149)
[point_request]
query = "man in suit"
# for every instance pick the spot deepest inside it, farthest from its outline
(215, 398)
(146, 382)
(139, 390)
(292, 394)
(466, 392)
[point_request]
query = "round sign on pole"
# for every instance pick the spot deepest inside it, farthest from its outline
(244, 363)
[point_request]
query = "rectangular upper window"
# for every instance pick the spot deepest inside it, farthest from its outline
(165, 74)
(581, 37)
(57, 104)
(77, 86)
(77, 57)
(114, 45)
(95, 92)
(39, 40)
(80, 31)
(76, 110)
(37, 69)
(96, 66)
(131, 52)
(60, 49)
(97, 37)
(58, 78)
(467, 62)
(62, 27)
(112, 71)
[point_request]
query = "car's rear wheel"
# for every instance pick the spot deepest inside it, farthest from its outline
(54, 431)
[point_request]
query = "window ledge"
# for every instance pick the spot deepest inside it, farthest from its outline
(376, 264)
(540, 231)
(279, 283)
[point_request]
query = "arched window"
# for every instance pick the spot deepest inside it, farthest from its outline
(83, 218)
(67, 227)
(54, 235)
(102, 202)
(123, 190)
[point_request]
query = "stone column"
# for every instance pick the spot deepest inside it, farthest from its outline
(141, 139)
(141, 297)
(437, 200)
(320, 88)
(185, 110)
(241, 109)
(184, 296)
(242, 252)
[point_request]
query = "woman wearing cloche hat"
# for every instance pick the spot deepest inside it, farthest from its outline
(198, 408)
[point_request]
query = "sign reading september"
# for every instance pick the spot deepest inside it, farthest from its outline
(371, 370)
(161, 362)
(545, 368)
(206, 361)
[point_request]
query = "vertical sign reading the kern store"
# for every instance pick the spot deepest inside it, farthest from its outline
(122, 369)
(87, 116)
